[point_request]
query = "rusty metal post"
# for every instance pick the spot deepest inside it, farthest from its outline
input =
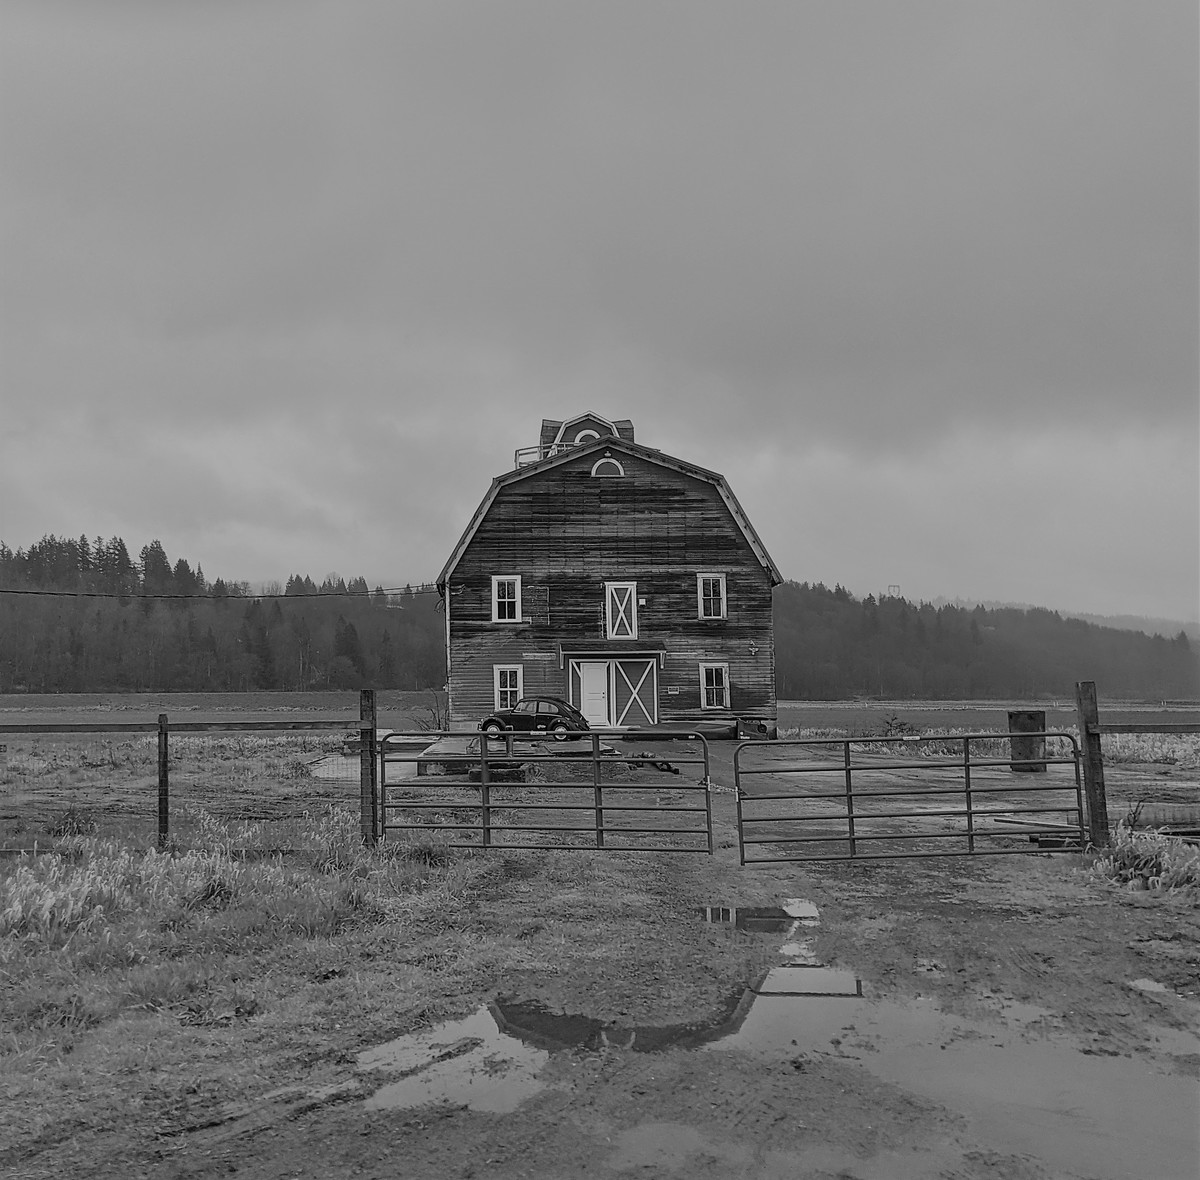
(368, 769)
(164, 783)
(1088, 712)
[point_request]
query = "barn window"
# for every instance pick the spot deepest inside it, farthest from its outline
(714, 686)
(608, 466)
(506, 598)
(710, 596)
(508, 682)
(585, 436)
(620, 610)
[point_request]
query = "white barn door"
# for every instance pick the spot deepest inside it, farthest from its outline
(593, 691)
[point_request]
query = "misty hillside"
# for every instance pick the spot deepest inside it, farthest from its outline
(831, 645)
(1147, 624)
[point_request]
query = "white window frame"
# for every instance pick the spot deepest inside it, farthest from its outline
(497, 671)
(628, 615)
(704, 687)
(497, 579)
(607, 461)
(701, 578)
(586, 435)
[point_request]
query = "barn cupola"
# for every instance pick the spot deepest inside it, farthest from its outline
(558, 435)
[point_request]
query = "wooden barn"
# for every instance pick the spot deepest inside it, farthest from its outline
(625, 580)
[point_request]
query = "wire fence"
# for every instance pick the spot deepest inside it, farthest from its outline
(268, 785)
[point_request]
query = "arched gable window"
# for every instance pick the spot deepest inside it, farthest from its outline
(585, 436)
(608, 467)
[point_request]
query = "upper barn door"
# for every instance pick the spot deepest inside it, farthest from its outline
(620, 610)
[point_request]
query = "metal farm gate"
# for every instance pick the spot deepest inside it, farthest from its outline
(881, 798)
(514, 791)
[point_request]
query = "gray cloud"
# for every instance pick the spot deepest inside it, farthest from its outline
(334, 248)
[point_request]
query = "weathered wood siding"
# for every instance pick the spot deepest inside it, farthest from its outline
(566, 533)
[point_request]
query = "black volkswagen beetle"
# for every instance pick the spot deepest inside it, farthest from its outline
(550, 715)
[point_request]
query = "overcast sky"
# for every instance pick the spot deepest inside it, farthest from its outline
(286, 283)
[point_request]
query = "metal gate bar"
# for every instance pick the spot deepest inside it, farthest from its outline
(492, 811)
(856, 825)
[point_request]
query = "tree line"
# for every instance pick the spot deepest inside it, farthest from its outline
(170, 630)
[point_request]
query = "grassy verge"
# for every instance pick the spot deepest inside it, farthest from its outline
(142, 993)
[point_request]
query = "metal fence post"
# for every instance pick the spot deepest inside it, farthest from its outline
(597, 791)
(708, 792)
(368, 794)
(967, 790)
(485, 790)
(164, 784)
(1088, 711)
(849, 795)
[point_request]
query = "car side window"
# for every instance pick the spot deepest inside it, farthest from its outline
(547, 707)
(525, 707)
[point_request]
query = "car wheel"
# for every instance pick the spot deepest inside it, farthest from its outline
(559, 729)
(493, 728)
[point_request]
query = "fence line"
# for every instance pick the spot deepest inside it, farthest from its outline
(1090, 733)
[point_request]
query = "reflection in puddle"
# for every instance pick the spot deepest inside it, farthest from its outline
(536, 1025)
(464, 1062)
(758, 919)
(807, 979)
(768, 919)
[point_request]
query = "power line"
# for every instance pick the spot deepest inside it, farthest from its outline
(421, 588)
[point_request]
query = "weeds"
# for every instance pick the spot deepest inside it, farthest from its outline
(1149, 860)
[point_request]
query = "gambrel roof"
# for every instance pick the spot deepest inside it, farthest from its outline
(555, 432)
(616, 445)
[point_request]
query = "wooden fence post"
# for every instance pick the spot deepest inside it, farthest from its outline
(1088, 712)
(164, 785)
(368, 768)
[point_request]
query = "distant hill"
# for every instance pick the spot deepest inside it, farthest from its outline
(830, 645)
(1147, 624)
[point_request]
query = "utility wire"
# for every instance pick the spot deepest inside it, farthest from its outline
(422, 588)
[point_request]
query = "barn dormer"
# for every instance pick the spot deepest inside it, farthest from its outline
(559, 435)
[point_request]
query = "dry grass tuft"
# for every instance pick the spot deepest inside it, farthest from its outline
(1149, 860)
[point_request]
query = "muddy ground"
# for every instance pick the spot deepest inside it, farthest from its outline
(980, 978)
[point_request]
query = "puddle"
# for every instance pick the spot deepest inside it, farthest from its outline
(467, 1062)
(1088, 1114)
(1022, 1088)
(1149, 985)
